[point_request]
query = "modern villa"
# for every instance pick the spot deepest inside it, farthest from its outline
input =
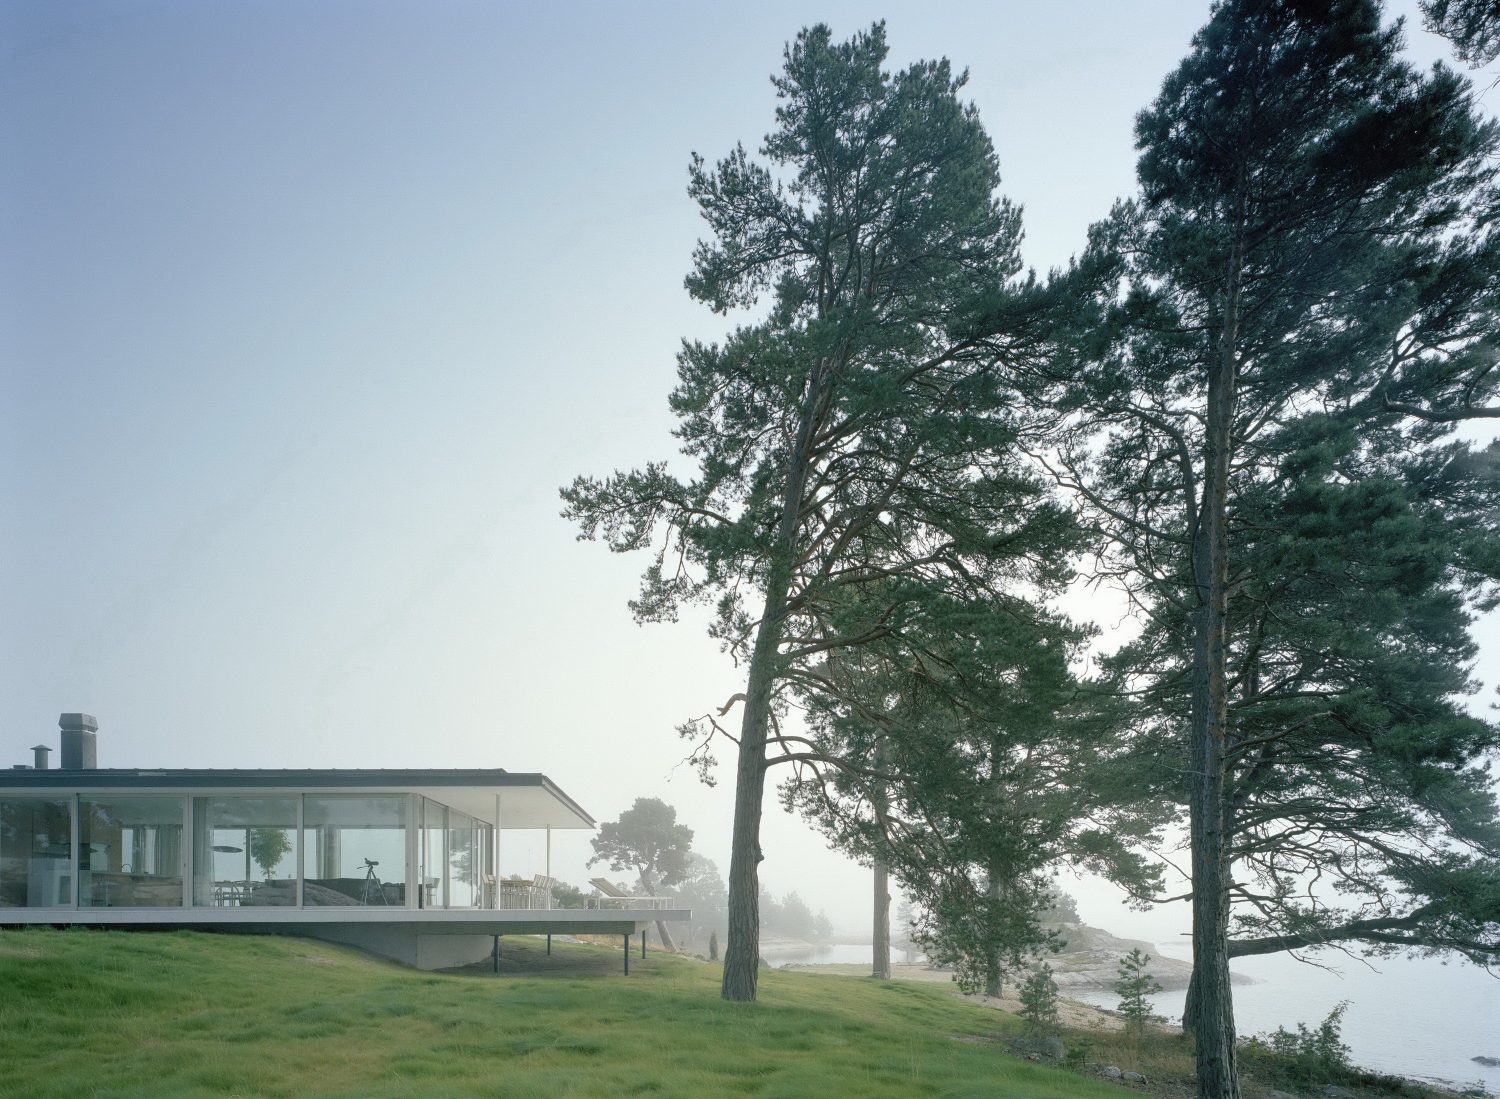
(403, 863)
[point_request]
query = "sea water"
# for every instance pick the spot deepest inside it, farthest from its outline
(1408, 1017)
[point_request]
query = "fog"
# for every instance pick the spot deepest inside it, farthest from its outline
(308, 314)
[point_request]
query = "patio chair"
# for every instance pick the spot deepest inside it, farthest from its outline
(609, 892)
(542, 890)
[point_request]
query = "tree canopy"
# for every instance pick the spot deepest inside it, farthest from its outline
(1473, 26)
(854, 444)
(1241, 401)
(985, 765)
(648, 840)
(1306, 306)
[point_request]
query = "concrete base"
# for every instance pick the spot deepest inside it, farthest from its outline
(400, 945)
(425, 939)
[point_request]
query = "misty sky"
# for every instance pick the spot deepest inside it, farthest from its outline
(308, 311)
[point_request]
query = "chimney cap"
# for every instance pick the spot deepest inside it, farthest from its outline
(40, 748)
(79, 721)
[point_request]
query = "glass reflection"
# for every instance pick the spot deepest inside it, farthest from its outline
(131, 852)
(354, 850)
(245, 851)
(36, 853)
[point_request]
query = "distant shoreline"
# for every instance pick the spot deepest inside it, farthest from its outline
(1090, 960)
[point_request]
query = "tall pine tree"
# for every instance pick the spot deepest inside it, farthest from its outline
(859, 433)
(1300, 185)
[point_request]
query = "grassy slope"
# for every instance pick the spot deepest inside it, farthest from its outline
(112, 1015)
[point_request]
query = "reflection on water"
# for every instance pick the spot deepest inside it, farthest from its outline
(782, 955)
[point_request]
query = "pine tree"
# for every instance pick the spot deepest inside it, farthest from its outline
(1039, 999)
(1134, 985)
(648, 840)
(993, 768)
(1473, 26)
(1300, 188)
(860, 432)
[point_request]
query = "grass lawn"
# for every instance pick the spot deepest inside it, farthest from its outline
(110, 1015)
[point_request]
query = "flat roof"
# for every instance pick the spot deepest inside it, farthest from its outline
(526, 800)
(452, 921)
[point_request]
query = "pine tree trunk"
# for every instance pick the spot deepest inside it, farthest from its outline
(1212, 1020)
(880, 963)
(648, 881)
(742, 952)
(881, 949)
(1190, 1005)
(994, 983)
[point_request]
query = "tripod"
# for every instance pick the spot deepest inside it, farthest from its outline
(373, 892)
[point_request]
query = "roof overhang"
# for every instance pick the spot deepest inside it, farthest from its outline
(525, 800)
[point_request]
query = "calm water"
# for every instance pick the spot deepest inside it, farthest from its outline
(835, 954)
(1414, 1018)
(1411, 1017)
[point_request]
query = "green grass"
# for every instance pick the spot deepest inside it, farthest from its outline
(111, 1015)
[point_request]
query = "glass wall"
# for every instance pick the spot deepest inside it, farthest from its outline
(130, 849)
(350, 849)
(464, 859)
(36, 852)
(245, 851)
(434, 855)
(354, 850)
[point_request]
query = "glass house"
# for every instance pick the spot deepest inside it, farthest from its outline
(383, 859)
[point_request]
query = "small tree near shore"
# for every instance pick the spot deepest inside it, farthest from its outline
(1039, 1000)
(1134, 987)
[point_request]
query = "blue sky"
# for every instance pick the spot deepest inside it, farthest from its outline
(307, 311)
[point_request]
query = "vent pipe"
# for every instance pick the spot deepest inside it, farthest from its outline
(79, 749)
(41, 751)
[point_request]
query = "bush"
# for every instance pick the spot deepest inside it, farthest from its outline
(1039, 999)
(568, 896)
(1308, 1056)
(1134, 986)
(1077, 1057)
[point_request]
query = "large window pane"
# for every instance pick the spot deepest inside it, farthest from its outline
(36, 865)
(245, 851)
(131, 851)
(434, 854)
(463, 860)
(354, 850)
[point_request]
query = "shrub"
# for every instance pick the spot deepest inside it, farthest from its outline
(568, 896)
(1134, 987)
(1039, 999)
(1316, 1056)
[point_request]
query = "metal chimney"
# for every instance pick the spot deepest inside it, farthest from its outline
(79, 750)
(41, 751)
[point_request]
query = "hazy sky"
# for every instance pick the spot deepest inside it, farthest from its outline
(308, 310)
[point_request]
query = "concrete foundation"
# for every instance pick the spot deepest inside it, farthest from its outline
(400, 945)
(425, 939)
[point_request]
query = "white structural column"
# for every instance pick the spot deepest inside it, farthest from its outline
(415, 875)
